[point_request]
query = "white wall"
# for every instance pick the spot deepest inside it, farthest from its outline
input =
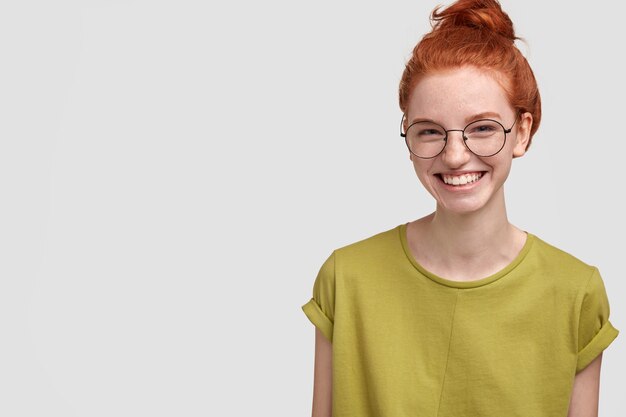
(173, 174)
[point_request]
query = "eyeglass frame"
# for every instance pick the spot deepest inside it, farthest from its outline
(445, 138)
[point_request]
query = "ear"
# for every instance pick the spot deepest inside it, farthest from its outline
(523, 134)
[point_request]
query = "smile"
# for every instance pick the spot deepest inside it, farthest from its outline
(460, 180)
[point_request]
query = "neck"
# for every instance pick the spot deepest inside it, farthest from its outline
(470, 238)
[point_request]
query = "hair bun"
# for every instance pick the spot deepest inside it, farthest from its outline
(475, 14)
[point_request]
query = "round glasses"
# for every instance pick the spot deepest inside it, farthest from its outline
(484, 137)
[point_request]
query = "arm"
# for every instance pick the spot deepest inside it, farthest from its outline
(584, 401)
(322, 385)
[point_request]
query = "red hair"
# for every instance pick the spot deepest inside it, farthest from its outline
(481, 34)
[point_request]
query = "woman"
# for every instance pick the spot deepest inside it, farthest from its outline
(460, 313)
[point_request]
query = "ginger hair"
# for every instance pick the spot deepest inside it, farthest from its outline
(477, 33)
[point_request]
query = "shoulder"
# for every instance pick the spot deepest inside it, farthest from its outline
(555, 256)
(560, 265)
(372, 241)
(370, 250)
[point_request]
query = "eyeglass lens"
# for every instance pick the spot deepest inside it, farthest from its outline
(483, 137)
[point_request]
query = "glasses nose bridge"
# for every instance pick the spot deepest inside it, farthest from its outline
(455, 130)
(454, 152)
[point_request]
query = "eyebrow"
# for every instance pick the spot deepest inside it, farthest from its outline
(483, 115)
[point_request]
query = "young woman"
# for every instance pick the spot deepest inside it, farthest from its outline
(461, 313)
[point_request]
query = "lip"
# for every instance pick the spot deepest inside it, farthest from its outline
(459, 172)
(460, 188)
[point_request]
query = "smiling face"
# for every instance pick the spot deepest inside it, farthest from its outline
(454, 98)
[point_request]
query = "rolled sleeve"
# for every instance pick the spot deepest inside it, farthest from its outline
(595, 331)
(314, 312)
(321, 307)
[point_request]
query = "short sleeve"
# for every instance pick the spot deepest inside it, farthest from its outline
(595, 331)
(321, 307)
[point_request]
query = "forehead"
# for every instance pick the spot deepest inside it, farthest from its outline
(452, 95)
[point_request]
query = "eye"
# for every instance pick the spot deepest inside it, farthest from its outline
(483, 129)
(426, 132)
(430, 132)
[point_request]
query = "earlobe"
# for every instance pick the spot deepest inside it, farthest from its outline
(520, 148)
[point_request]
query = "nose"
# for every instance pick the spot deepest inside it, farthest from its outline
(455, 154)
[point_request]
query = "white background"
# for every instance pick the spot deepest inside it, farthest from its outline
(173, 174)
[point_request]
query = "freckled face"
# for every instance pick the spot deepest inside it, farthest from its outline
(451, 98)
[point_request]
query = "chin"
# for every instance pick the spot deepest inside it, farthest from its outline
(461, 207)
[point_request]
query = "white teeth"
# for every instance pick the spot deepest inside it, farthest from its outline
(461, 180)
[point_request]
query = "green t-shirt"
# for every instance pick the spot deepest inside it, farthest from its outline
(406, 342)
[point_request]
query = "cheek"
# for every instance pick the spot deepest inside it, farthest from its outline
(503, 166)
(421, 170)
